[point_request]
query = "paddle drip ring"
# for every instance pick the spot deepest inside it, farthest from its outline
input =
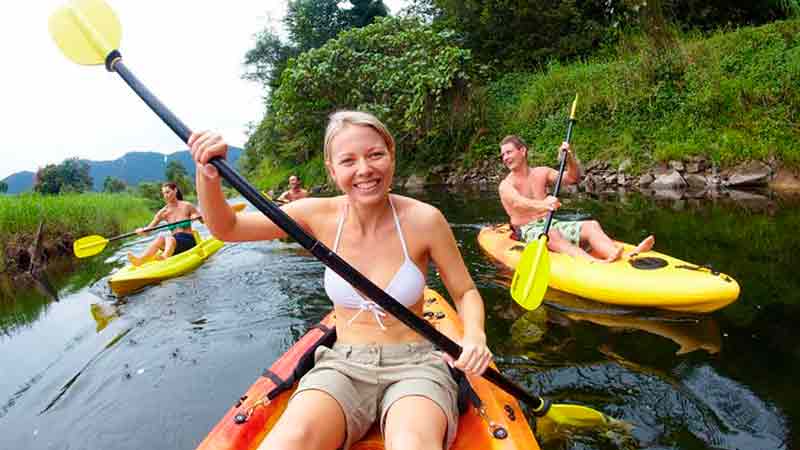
(648, 263)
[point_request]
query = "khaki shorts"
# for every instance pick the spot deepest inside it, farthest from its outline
(367, 379)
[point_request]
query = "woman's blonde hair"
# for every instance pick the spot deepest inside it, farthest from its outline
(339, 120)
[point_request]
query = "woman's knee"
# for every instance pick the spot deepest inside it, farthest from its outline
(409, 438)
(299, 436)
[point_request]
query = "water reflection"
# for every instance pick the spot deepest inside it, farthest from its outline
(103, 314)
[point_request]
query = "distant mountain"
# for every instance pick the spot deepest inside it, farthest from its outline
(132, 168)
(19, 182)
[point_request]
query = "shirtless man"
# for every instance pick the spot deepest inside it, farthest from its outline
(524, 196)
(295, 192)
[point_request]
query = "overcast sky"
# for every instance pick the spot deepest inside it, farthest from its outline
(189, 53)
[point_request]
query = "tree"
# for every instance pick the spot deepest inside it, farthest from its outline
(310, 24)
(150, 190)
(70, 176)
(3, 187)
(113, 185)
(523, 35)
(364, 12)
(413, 78)
(265, 62)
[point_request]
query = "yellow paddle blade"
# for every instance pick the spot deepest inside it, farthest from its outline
(86, 31)
(532, 274)
(89, 245)
(576, 416)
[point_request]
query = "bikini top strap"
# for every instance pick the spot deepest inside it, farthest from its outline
(339, 228)
(399, 230)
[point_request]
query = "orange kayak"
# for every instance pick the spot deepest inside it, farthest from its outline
(503, 425)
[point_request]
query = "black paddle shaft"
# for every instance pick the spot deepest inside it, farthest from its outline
(147, 230)
(561, 166)
(318, 249)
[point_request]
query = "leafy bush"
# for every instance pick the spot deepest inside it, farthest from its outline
(414, 79)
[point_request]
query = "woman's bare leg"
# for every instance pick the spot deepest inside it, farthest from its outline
(313, 420)
(169, 247)
(154, 247)
(415, 422)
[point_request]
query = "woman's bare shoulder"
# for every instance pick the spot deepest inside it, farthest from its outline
(314, 209)
(416, 211)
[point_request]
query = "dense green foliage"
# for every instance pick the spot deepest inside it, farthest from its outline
(3, 187)
(659, 80)
(72, 175)
(524, 35)
(732, 97)
(310, 24)
(112, 185)
(150, 191)
(412, 78)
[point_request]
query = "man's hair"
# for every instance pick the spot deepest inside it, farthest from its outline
(514, 139)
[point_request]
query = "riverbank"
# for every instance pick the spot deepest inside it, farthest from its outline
(35, 229)
(723, 100)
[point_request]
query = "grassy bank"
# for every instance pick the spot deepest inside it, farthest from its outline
(731, 96)
(66, 218)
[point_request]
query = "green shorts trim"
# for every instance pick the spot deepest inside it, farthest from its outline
(569, 229)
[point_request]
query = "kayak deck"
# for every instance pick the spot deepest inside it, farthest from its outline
(131, 278)
(652, 279)
(511, 429)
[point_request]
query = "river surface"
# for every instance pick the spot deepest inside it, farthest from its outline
(80, 369)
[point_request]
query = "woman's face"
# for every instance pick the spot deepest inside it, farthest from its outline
(361, 164)
(168, 193)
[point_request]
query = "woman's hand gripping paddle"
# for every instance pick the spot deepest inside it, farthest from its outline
(88, 32)
(533, 271)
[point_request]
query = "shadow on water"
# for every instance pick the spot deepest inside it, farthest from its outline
(158, 369)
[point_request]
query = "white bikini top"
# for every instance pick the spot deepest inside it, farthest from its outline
(406, 287)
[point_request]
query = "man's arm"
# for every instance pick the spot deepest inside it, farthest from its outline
(514, 200)
(572, 173)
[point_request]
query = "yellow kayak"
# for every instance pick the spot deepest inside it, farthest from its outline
(131, 278)
(651, 279)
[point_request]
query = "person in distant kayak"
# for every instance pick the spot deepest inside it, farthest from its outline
(379, 371)
(295, 192)
(524, 196)
(180, 237)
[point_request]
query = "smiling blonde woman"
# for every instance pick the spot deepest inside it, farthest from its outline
(379, 369)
